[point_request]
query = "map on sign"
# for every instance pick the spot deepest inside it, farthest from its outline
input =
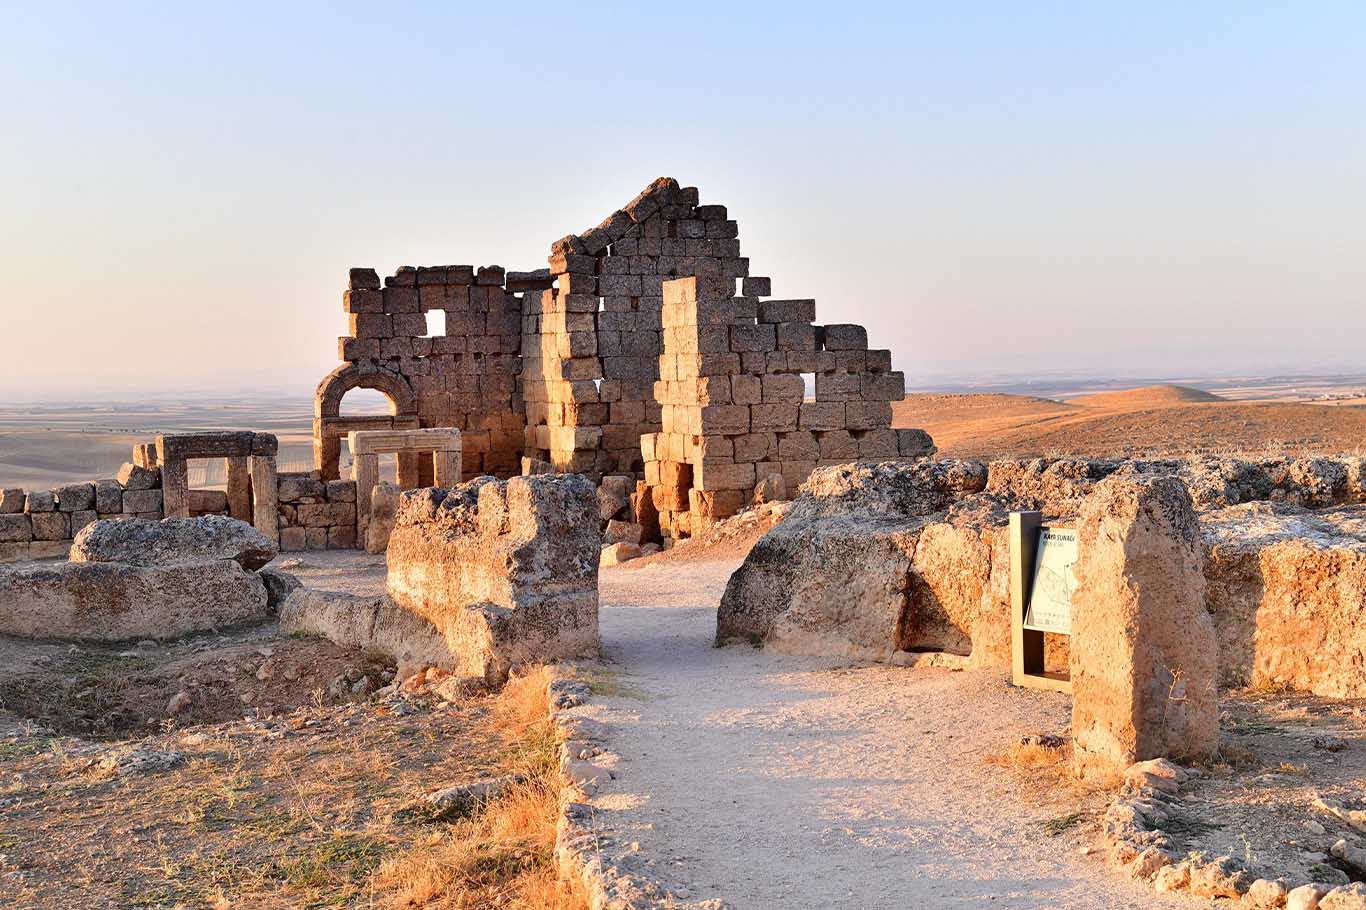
(1050, 600)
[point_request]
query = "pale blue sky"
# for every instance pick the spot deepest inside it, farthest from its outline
(1150, 187)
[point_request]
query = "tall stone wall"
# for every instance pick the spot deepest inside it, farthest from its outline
(464, 377)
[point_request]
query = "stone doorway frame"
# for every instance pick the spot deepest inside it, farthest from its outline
(441, 443)
(253, 489)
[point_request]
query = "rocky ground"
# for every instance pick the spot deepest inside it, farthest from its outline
(248, 769)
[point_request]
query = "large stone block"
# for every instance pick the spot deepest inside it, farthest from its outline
(11, 501)
(174, 541)
(1143, 647)
(507, 570)
(134, 477)
(139, 502)
(111, 601)
(51, 525)
(75, 497)
(15, 528)
(108, 497)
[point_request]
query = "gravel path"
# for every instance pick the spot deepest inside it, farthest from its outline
(779, 782)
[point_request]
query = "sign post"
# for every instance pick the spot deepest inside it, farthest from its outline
(1042, 560)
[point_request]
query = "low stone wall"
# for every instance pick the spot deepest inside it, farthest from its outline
(316, 514)
(41, 524)
(873, 560)
(508, 570)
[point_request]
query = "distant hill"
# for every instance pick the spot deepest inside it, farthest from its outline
(1150, 396)
(1161, 420)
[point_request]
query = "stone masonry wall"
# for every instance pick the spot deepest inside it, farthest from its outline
(465, 377)
(316, 514)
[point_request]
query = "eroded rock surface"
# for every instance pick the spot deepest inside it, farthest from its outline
(111, 601)
(507, 570)
(175, 541)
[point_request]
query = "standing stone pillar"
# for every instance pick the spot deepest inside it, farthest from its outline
(1143, 650)
(175, 488)
(239, 488)
(265, 497)
(408, 478)
(447, 465)
(365, 472)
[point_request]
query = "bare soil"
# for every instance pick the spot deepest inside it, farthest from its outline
(1142, 422)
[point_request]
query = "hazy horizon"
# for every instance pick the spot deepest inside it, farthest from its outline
(996, 192)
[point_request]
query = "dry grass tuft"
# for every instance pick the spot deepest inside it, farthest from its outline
(504, 855)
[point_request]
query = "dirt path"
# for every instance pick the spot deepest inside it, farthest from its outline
(778, 782)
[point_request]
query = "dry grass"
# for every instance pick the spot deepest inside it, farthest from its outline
(502, 857)
(1049, 768)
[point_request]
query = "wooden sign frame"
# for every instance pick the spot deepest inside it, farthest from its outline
(1027, 645)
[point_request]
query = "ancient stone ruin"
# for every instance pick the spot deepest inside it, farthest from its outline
(583, 368)
(481, 578)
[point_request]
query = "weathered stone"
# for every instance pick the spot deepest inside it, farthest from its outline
(139, 502)
(1143, 650)
(506, 569)
(108, 497)
(279, 585)
(132, 477)
(40, 501)
(11, 501)
(770, 488)
(622, 532)
(616, 553)
(1306, 897)
(111, 601)
(383, 512)
(75, 497)
(1266, 894)
(175, 541)
(15, 528)
(51, 525)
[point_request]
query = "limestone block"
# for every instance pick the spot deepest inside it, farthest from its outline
(371, 325)
(139, 502)
(15, 528)
(11, 501)
(175, 541)
(80, 520)
(758, 287)
(709, 477)
(1143, 647)
(770, 488)
(49, 549)
(51, 525)
(363, 279)
(798, 446)
(821, 415)
(363, 301)
(401, 300)
(622, 532)
(315, 538)
(784, 387)
(774, 418)
(133, 477)
(795, 336)
(293, 539)
(206, 500)
(327, 514)
(300, 488)
(889, 386)
(750, 338)
(914, 443)
(108, 497)
(14, 552)
(507, 570)
(867, 415)
(878, 444)
(773, 311)
(724, 419)
(341, 537)
(838, 387)
(111, 601)
(845, 337)
(754, 447)
(75, 497)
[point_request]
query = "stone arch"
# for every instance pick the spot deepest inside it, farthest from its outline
(329, 427)
(327, 399)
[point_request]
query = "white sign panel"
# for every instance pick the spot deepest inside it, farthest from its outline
(1050, 600)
